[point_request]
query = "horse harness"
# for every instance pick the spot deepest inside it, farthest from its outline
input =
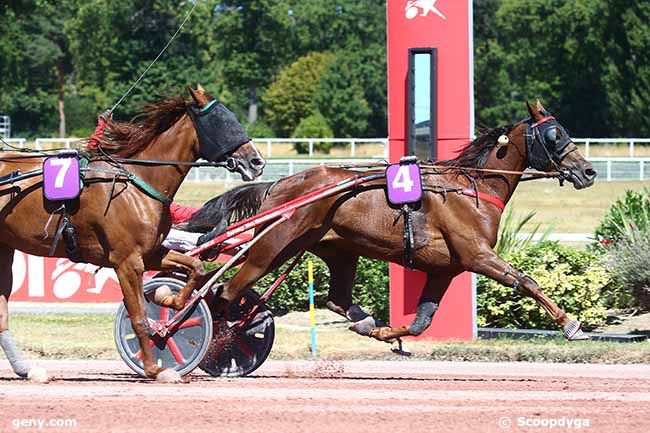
(543, 146)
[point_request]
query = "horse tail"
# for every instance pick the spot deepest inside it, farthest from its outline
(228, 208)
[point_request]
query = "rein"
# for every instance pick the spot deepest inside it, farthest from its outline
(533, 174)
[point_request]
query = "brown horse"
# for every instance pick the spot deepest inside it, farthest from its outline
(453, 233)
(121, 223)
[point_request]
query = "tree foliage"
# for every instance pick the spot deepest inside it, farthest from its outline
(588, 60)
(290, 98)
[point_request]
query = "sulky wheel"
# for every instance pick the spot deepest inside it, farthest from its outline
(239, 346)
(182, 349)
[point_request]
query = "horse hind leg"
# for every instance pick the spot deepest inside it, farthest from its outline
(343, 269)
(18, 363)
(434, 289)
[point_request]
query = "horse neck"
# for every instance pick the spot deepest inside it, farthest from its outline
(504, 185)
(175, 144)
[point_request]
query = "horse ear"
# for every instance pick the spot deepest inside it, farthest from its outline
(200, 89)
(540, 107)
(198, 97)
(533, 113)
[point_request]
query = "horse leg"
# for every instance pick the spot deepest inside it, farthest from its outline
(175, 261)
(434, 289)
(266, 255)
(15, 357)
(129, 273)
(488, 263)
(343, 268)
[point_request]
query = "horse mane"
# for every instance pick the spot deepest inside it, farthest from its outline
(475, 154)
(125, 139)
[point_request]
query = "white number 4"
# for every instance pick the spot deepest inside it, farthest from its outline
(65, 164)
(403, 179)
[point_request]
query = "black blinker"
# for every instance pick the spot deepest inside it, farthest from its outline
(551, 135)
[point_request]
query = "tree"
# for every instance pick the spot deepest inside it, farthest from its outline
(587, 60)
(341, 100)
(114, 42)
(36, 62)
(291, 97)
(254, 44)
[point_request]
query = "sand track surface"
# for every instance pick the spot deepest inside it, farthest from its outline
(328, 396)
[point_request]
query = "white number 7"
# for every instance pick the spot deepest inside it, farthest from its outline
(403, 179)
(65, 164)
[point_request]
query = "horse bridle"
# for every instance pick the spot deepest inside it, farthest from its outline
(544, 146)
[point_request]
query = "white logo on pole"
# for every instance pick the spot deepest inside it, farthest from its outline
(413, 7)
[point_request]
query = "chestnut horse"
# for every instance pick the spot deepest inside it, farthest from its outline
(453, 233)
(121, 224)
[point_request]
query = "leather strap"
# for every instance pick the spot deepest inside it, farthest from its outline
(148, 189)
(485, 197)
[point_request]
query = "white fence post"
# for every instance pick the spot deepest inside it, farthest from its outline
(311, 147)
(587, 149)
(641, 170)
(354, 149)
(631, 149)
(290, 168)
(268, 149)
(609, 170)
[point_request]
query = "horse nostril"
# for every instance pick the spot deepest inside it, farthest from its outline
(591, 173)
(257, 163)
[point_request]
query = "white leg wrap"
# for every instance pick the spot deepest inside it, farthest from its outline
(20, 366)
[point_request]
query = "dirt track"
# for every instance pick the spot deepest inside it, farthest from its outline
(103, 396)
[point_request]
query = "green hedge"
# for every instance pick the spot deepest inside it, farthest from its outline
(571, 277)
(625, 217)
(370, 288)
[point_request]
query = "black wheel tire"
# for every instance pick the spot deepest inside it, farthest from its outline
(240, 350)
(192, 342)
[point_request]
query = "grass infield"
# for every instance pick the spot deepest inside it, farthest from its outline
(90, 336)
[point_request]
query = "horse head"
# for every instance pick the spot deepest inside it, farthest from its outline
(222, 138)
(550, 148)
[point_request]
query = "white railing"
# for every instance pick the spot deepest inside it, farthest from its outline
(310, 142)
(17, 142)
(5, 126)
(631, 142)
(267, 145)
(609, 169)
(621, 168)
(275, 169)
(67, 142)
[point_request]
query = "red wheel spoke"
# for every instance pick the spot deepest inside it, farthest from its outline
(241, 344)
(139, 354)
(190, 323)
(173, 348)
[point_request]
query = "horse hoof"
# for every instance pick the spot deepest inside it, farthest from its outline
(161, 293)
(364, 327)
(400, 349)
(169, 376)
(38, 375)
(572, 331)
